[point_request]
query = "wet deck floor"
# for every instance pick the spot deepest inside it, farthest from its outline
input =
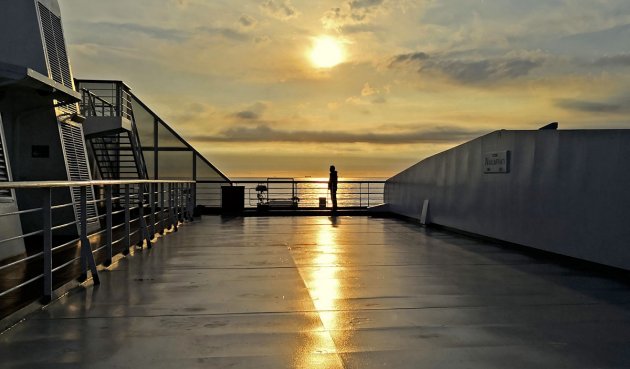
(310, 292)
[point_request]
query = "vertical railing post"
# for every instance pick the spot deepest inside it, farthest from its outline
(142, 223)
(177, 203)
(182, 208)
(171, 207)
(189, 202)
(127, 220)
(368, 195)
(360, 194)
(108, 225)
(193, 200)
(162, 223)
(47, 236)
(87, 257)
(152, 201)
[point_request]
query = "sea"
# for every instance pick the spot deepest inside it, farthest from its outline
(307, 191)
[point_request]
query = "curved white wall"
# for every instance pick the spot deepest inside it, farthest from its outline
(567, 191)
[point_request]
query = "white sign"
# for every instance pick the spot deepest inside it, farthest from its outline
(496, 162)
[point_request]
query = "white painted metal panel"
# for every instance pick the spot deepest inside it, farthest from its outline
(566, 191)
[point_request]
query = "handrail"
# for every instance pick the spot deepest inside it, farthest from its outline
(146, 210)
(294, 181)
(58, 184)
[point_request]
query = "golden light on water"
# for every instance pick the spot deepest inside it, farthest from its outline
(326, 52)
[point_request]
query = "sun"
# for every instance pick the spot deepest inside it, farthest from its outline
(326, 52)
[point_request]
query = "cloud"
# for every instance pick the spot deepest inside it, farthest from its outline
(260, 40)
(368, 90)
(475, 71)
(280, 9)
(265, 133)
(154, 32)
(252, 113)
(406, 58)
(247, 21)
(379, 100)
(224, 32)
(620, 60)
(169, 34)
(616, 105)
(352, 13)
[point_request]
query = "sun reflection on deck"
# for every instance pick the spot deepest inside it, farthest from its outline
(322, 279)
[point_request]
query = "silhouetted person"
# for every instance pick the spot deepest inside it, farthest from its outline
(332, 186)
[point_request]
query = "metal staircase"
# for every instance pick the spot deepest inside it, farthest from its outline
(118, 156)
(112, 133)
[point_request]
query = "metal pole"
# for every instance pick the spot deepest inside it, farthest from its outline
(162, 223)
(47, 228)
(361, 194)
(156, 166)
(368, 199)
(172, 205)
(189, 201)
(193, 200)
(86, 248)
(108, 225)
(177, 203)
(152, 196)
(127, 221)
(144, 232)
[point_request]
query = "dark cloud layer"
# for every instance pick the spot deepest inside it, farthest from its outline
(247, 115)
(614, 106)
(170, 34)
(281, 9)
(467, 71)
(265, 133)
(620, 60)
(352, 13)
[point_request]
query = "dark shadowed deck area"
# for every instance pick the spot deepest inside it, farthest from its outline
(317, 292)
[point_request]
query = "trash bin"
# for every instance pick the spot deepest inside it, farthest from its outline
(232, 199)
(322, 203)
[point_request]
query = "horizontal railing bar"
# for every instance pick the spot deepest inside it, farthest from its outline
(21, 236)
(118, 226)
(290, 182)
(65, 264)
(57, 184)
(60, 226)
(20, 285)
(61, 206)
(21, 212)
(21, 260)
(65, 244)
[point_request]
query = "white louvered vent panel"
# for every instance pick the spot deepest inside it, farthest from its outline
(62, 54)
(51, 49)
(4, 171)
(55, 47)
(69, 109)
(77, 165)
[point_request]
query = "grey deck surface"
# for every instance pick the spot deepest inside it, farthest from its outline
(302, 292)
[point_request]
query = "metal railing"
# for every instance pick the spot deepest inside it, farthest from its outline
(93, 105)
(305, 193)
(132, 212)
(106, 99)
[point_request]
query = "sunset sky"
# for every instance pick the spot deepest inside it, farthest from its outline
(389, 83)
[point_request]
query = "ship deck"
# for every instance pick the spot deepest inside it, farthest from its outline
(322, 292)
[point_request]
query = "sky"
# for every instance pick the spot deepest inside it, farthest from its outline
(239, 78)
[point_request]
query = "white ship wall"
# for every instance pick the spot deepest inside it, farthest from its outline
(566, 191)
